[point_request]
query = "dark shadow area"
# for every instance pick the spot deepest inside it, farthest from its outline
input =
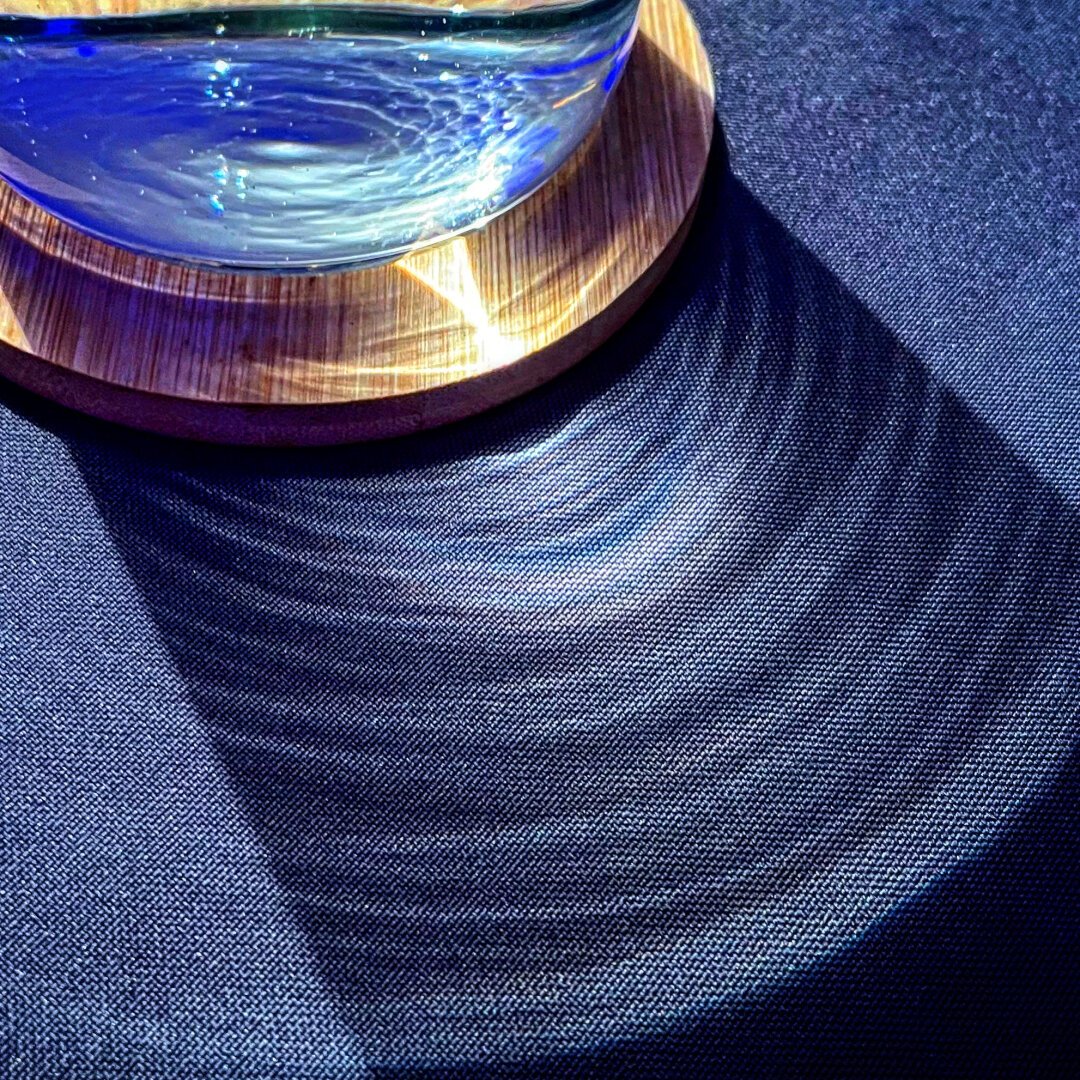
(716, 696)
(976, 978)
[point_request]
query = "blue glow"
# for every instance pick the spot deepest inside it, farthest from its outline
(585, 61)
(60, 27)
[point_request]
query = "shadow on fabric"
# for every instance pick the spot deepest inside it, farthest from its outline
(706, 711)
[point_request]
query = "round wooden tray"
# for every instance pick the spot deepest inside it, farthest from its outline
(439, 335)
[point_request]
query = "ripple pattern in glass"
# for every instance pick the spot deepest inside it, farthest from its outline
(300, 138)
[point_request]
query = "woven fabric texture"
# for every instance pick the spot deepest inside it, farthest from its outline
(711, 711)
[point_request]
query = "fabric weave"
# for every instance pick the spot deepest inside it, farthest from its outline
(710, 711)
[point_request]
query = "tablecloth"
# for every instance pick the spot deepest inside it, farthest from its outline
(710, 711)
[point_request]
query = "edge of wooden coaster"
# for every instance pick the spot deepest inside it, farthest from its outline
(438, 336)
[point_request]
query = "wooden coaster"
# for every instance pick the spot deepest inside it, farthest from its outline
(439, 335)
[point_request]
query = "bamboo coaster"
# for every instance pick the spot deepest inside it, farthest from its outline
(441, 334)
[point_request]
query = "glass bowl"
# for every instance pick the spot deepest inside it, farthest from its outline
(289, 136)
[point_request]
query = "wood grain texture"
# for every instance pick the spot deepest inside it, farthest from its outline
(441, 334)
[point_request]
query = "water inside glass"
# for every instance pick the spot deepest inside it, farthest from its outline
(297, 136)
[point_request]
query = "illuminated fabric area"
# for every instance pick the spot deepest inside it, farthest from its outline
(710, 710)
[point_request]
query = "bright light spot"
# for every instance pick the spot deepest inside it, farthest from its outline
(488, 184)
(447, 271)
